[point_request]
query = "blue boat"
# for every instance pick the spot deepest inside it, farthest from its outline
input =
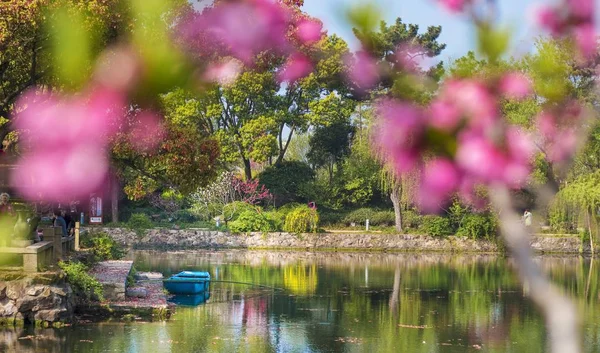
(187, 282)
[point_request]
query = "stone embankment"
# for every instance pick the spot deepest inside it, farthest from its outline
(195, 238)
(42, 299)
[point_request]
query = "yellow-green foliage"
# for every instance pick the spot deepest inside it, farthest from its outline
(301, 219)
(84, 284)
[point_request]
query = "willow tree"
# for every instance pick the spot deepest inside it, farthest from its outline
(582, 196)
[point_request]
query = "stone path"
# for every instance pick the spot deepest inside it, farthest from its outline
(113, 277)
(146, 301)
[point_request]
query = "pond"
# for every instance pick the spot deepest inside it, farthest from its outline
(339, 302)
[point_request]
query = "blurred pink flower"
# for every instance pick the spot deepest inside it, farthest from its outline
(440, 179)
(244, 28)
(147, 132)
(549, 19)
(581, 9)
(454, 5)
(474, 100)
(585, 37)
(65, 142)
(563, 146)
(443, 115)
(47, 120)
(223, 73)
(363, 70)
(296, 67)
(61, 175)
(309, 31)
(479, 158)
(397, 133)
(515, 85)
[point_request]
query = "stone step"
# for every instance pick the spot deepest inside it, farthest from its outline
(113, 277)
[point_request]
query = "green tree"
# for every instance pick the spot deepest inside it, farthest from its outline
(329, 145)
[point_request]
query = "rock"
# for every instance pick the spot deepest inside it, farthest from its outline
(149, 275)
(7, 308)
(137, 292)
(50, 315)
(35, 291)
(2, 290)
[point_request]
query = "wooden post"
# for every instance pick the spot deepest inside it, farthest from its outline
(76, 236)
(57, 244)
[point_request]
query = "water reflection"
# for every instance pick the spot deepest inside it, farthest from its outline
(339, 302)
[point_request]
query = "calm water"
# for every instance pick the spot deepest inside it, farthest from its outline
(336, 302)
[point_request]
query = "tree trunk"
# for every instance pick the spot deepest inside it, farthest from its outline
(395, 196)
(247, 169)
(114, 199)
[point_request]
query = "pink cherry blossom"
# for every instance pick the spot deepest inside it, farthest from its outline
(398, 131)
(549, 19)
(363, 70)
(581, 9)
(295, 68)
(65, 142)
(563, 146)
(309, 31)
(585, 37)
(440, 179)
(147, 132)
(479, 158)
(454, 5)
(223, 73)
(61, 175)
(443, 115)
(515, 85)
(244, 28)
(474, 100)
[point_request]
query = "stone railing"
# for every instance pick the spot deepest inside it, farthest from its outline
(38, 256)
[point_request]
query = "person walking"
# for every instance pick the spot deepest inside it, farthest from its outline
(527, 218)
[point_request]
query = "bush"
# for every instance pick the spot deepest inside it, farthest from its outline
(286, 180)
(412, 219)
(85, 285)
(383, 218)
(276, 218)
(102, 246)
(139, 222)
(301, 219)
(477, 226)
(251, 221)
(437, 226)
(185, 216)
(329, 217)
(359, 216)
(232, 211)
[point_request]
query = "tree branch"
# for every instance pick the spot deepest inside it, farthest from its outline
(559, 311)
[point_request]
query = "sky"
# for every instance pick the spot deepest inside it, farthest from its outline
(456, 31)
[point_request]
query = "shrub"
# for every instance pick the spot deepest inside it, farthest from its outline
(85, 285)
(328, 217)
(301, 219)
(359, 216)
(383, 218)
(411, 219)
(457, 213)
(102, 246)
(251, 221)
(286, 180)
(232, 211)
(436, 225)
(477, 226)
(276, 218)
(139, 222)
(185, 216)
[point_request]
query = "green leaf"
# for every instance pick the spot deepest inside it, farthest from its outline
(492, 42)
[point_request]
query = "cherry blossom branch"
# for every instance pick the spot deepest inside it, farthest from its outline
(559, 311)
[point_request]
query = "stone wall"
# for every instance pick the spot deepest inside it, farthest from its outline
(190, 238)
(43, 299)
